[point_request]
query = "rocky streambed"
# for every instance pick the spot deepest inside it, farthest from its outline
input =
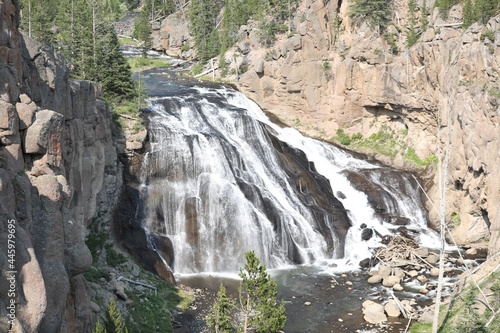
(381, 298)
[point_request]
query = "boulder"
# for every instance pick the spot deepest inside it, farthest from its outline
(259, 66)
(390, 281)
(434, 271)
(46, 129)
(392, 309)
(375, 279)
(413, 273)
(422, 278)
(398, 287)
(366, 233)
(432, 258)
(472, 251)
(373, 312)
(26, 114)
(422, 252)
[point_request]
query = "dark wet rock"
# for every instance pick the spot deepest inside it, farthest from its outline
(340, 195)
(362, 226)
(365, 263)
(386, 239)
(366, 234)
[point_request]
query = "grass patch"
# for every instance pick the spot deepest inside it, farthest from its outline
(421, 328)
(126, 41)
(455, 218)
(139, 63)
(126, 107)
(383, 142)
(412, 156)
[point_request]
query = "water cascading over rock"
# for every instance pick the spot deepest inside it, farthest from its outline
(221, 179)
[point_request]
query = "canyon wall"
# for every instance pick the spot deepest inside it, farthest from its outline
(58, 170)
(330, 73)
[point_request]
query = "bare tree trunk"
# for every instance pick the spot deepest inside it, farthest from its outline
(29, 19)
(443, 175)
(94, 33)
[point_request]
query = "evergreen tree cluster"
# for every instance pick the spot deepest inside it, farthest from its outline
(479, 10)
(214, 24)
(377, 13)
(82, 31)
(257, 304)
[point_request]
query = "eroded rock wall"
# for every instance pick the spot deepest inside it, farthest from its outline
(330, 73)
(58, 170)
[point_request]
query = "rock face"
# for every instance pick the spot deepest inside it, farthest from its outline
(58, 169)
(330, 74)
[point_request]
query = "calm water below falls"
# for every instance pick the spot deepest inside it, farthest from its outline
(221, 179)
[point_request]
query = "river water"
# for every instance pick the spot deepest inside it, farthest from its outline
(221, 179)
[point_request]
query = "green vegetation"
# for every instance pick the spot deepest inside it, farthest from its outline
(444, 6)
(377, 13)
(495, 92)
(412, 156)
(219, 316)
(412, 37)
(152, 310)
(465, 313)
(421, 328)
(490, 34)
(114, 322)
(385, 142)
(479, 10)
(455, 218)
(257, 309)
(214, 37)
(327, 70)
(142, 32)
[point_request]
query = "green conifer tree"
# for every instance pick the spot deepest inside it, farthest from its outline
(469, 15)
(412, 38)
(377, 13)
(424, 21)
(114, 322)
(142, 32)
(99, 328)
(203, 26)
(113, 70)
(219, 316)
(260, 308)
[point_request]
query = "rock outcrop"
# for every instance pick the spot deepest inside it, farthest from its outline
(330, 73)
(58, 170)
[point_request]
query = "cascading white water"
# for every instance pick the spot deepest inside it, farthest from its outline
(216, 187)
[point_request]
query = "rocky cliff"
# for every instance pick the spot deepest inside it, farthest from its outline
(58, 170)
(330, 73)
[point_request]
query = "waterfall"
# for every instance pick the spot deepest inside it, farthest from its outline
(222, 179)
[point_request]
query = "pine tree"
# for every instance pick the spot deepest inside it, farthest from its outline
(411, 39)
(203, 23)
(261, 310)
(377, 13)
(219, 316)
(469, 15)
(38, 19)
(142, 32)
(424, 22)
(114, 322)
(486, 9)
(113, 70)
(99, 328)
